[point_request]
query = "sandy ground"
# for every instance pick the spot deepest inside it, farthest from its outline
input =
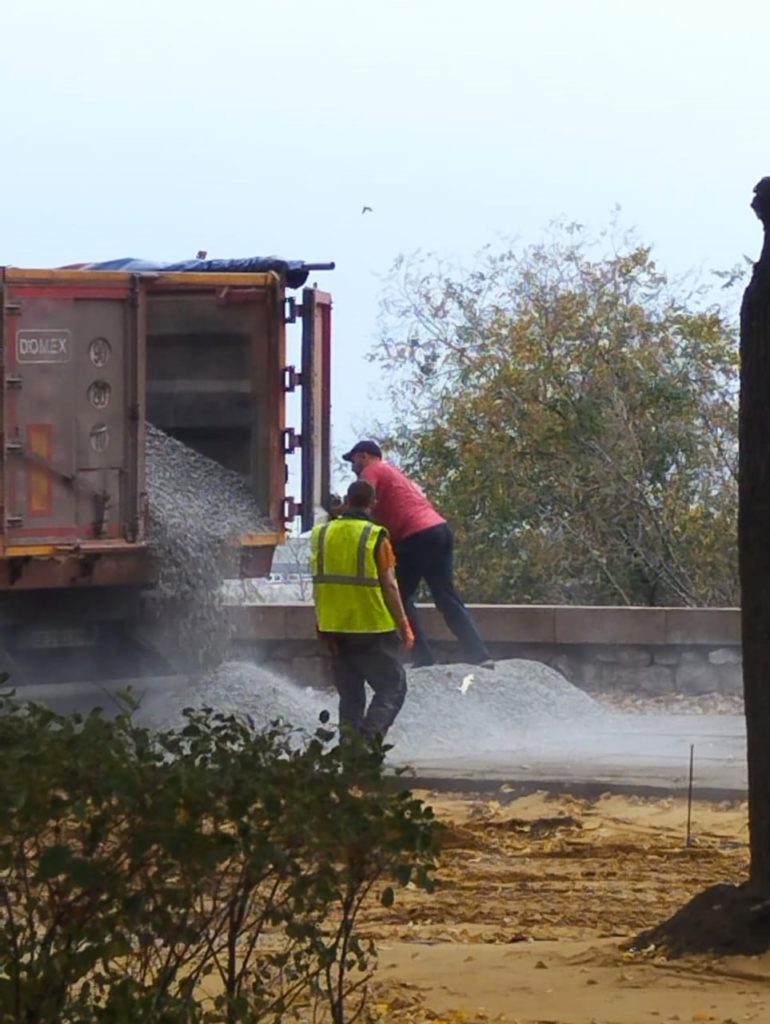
(537, 896)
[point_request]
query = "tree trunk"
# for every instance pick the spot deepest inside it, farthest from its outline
(754, 541)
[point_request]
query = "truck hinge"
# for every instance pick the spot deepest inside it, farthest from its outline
(14, 521)
(14, 446)
(13, 382)
(291, 379)
(290, 509)
(12, 306)
(292, 309)
(291, 440)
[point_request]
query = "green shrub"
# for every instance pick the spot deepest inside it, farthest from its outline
(208, 874)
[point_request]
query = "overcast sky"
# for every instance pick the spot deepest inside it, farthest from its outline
(244, 127)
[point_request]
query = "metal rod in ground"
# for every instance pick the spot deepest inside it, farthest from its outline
(688, 841)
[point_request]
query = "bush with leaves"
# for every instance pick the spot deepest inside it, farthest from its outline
(573, 411)
(208, 874)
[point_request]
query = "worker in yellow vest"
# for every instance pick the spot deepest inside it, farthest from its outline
(359, 612)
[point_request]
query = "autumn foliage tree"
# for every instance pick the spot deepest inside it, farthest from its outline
(574, 415)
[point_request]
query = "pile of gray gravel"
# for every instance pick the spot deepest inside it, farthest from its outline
(242, 688)
(516, 704)
(465, 710)
(198, 509)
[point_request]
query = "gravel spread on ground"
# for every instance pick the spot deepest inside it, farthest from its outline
(673, 703)
(463, 709)
(450, 709)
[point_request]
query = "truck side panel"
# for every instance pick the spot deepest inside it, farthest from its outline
(72, 409)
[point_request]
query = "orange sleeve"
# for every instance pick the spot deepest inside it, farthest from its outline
(384, 555)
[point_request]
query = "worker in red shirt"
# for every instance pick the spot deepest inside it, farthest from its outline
(423, 543)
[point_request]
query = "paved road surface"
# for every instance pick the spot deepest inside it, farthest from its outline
(638, 752)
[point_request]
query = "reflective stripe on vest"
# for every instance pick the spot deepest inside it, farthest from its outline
(346, 586)
(360, 579)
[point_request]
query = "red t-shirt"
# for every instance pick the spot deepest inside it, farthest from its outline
(401, 506)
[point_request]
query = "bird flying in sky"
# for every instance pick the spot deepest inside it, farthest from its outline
(367, 209)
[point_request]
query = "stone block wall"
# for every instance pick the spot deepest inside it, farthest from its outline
(636, 651)
(641, 670)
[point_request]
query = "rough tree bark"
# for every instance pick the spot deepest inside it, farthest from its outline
(754, 541)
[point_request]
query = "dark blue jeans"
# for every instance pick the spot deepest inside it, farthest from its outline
(428, 555)
(368, 658)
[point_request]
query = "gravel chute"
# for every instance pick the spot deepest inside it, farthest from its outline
(198, 509)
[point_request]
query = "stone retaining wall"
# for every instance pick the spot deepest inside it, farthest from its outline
(644, 651)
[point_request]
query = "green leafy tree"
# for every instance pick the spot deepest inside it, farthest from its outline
(574, 415)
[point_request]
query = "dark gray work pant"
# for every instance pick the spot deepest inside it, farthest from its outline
(368, 658)
(428, 555)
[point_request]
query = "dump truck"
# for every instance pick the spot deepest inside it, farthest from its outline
(91, 354)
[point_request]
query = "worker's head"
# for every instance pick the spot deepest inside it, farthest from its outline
(360, 496)
(362, 454)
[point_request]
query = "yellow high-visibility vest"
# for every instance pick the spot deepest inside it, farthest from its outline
(346, 587)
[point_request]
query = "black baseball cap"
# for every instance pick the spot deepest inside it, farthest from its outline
(365, 448)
